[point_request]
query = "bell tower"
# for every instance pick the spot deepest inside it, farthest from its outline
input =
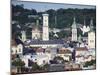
(74, 30)
(45, 35)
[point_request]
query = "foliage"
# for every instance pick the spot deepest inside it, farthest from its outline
(59, 59)
(35, 66)
(90, 63)
(46, 66)
(18, 63)
(60, 18)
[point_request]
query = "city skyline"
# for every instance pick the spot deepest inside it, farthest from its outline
(51, 46)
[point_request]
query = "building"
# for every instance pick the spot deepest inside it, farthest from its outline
(74, 30)
(81, 51)
(65, 53)
(23, 36)
(17, 48)
(91, 36)
(46, 44)
(39, 59)
(36, 32)
(45, 35)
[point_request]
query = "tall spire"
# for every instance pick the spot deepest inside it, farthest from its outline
(74, 20)
(91, 24)
(74, 30)
(23, 35)
(37, 23)
(74, 23)
(84, 22)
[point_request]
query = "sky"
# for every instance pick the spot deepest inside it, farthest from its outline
(40, 6)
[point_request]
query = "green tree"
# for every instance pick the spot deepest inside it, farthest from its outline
(90, 63)
(19, 64)
(58, 59)
(35, 66)
(46, 67)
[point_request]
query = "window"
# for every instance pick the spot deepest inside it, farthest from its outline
(19, 50)
(35, 59)
(91, 41)
(45, 20)
(16, 51)
(43, 61)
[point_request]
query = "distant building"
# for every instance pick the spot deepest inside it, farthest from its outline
(45, 44)
(16, 48)
(39, 59)
(74, 31)
(45, 35)
(65, 53)
(36, 32)
(81, 51)
(23, 36)
(91, 36)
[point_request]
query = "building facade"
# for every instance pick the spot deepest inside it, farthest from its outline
(74, 30)
(45, 35)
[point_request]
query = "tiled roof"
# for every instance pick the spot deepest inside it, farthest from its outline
(81, 49)
(63, 51)
(40, 50)
(57, 41)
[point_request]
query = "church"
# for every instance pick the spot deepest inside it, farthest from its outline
(40, 36)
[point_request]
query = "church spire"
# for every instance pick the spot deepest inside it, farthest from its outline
(74, 23)
(74, 30)
(91, 24)
(84, 22)
(37, 23)
(74, 20)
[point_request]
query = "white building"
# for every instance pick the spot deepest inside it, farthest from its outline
(91, 36)
(81, 51)
(65, 53)
(91, 39)
(39, 59)
(74, 31)
(45, 44)
(23, 36)
(36, 33)
(18, 49)
(45, 35)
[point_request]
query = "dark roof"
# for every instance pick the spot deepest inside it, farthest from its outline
(28, 50)
(56, 41)
(18, 41)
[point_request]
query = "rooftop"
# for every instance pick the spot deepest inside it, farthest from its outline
(37, 42)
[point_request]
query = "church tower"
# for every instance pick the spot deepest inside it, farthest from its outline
(74, 30)
(36, 31)
(23, 35)
(45, 35)
(91, 36)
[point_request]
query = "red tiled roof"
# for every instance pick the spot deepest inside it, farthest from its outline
(82, 49)
(63, 51)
